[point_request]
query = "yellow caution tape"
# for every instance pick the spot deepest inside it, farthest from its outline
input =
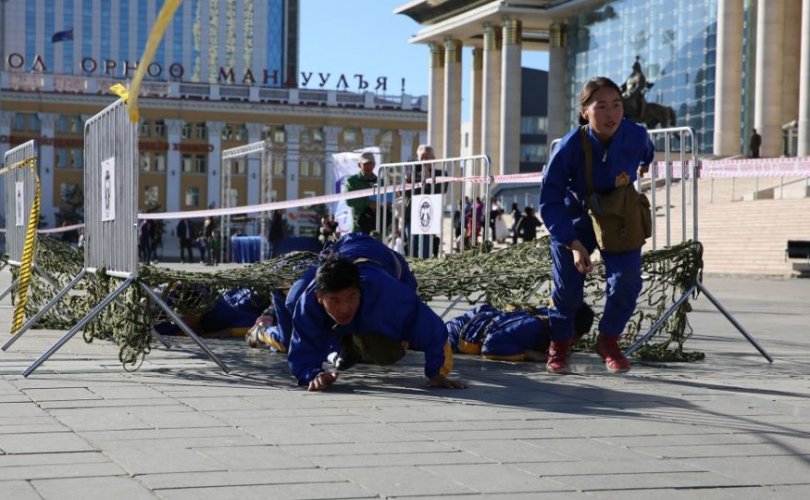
(162, 21)
(28, 253)
(19, 164)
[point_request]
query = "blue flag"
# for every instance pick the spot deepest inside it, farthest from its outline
(61, 36)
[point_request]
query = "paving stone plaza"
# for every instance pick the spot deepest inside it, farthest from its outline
(731, 426)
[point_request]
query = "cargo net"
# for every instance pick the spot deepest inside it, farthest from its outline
(516, 277)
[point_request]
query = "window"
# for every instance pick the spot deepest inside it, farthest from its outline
(160, 162)
(143, 129)
(160, 129)
(317, 135)
(188, 164)
(306, 136)
(62, 124)
(279, 167)
(233, 197)
(279, 136)
(349, 136)
(303, 167)
(145, 162)
(200, 131)
(533, 125)
(186, 133)
(535, 153)
(61, 157)
(316, 168)
(240, 133)
(193, 197)
(200, 164)
(77, 157)
(151, 195)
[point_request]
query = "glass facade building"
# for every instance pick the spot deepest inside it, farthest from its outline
(680, 62)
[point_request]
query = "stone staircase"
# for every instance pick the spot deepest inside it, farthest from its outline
(740, 237)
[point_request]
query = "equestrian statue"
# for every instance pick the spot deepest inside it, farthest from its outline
(636, 107)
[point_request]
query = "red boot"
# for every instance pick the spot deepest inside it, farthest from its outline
(608, 348)
(557, 359)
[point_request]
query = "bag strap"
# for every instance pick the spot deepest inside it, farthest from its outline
(586, 148)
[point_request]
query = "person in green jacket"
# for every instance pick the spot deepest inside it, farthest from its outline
(363, 209)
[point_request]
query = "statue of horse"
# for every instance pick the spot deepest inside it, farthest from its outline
(657, 114)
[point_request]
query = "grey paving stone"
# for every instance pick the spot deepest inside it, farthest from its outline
(19, 490)
(770, 470)
(343, 449)
(61, 394)
(89, 457)
(304, 434)
(510, 450)
(21, 410)
(586, 449)
(60, 471)
(51, 425)
(683, 479)
(254, 457)
(400, 459)
(160, 459)
(89, 488)
(98, 419)
(496, 478)
(402, 481)
(167, 481)
(45, 442)
(551, 469)
(128, 391)
(341, 490)
(108, 403)
(728, 450)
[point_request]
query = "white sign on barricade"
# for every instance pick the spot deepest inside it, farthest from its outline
(426, 214)
(19, 204)
(108, 193)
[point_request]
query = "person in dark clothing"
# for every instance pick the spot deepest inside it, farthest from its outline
(755, 143)
(516, 216)
(146, 240)
(276, 233)
(527, 227)
(185, 234)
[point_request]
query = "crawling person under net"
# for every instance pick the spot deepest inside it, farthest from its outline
(509, 335)
(357, 309)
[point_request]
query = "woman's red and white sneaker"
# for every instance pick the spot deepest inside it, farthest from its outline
(608, 348)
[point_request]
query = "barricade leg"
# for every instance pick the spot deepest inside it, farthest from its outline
(9, 289)
(183, 326)
(733, 321)
(162, 339)
(31, 322)
(78, 326)
(658, 324)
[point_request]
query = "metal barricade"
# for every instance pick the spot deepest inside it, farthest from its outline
(20, 190)
(685, 170)
(111, 227)
(401, 186)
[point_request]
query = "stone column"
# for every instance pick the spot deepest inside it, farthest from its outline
(293, 133)
(451, 138)
(46, 163)
(476, 97)
(728, 84)
(558, 122)
(214, 163)
(804, 83)
(769, 71)
(330, 148)
(510, 97)
(406, 150)
(791, 60)
(254, 167)
(174, 167)
(436, 96)
(491, 97)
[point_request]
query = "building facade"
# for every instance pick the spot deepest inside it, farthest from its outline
(226, 74)
(724, 66)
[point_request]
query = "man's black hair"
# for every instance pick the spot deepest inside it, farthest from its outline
(583, 321)
(336, 274)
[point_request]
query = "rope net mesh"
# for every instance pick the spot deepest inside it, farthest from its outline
(515, 277)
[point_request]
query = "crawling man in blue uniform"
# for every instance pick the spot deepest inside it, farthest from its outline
(365, 308)
(509, 336)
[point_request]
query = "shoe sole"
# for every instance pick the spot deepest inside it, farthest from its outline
(617, 370)
(565, 371)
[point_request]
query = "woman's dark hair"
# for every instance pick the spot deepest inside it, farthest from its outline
(590, 88)
(336, 274)
(515, 207)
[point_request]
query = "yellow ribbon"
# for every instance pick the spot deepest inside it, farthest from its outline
(162, 21)
(28, 251)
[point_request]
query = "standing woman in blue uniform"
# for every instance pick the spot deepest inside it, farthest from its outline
(619, 147)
